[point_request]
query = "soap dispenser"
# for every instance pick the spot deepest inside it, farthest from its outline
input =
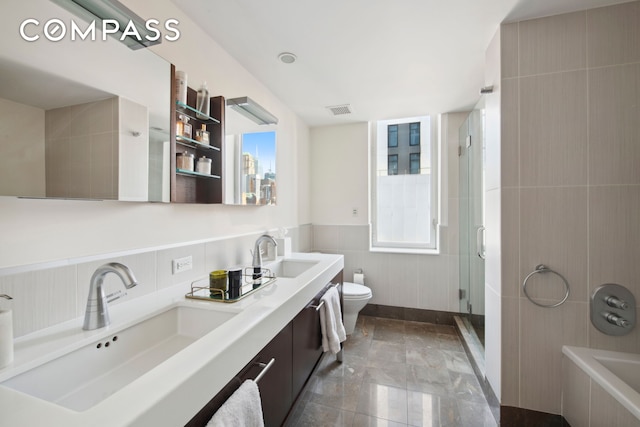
(6, 335)
(202, 102)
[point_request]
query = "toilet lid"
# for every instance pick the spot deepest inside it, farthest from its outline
(355, 290)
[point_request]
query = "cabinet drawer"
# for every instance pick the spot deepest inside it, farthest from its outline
(307, 339)
(274, 386)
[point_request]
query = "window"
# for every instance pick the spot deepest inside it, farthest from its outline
(414, 163)
(404, 199)
(392, 136)
(392, 164)
(414, 134)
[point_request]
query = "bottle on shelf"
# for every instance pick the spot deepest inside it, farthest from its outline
(202, 135)
(183, 127)
(181, 86)
(202, 102)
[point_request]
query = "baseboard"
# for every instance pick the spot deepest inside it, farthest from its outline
(412, 314)
(520, 417)
(475, 354)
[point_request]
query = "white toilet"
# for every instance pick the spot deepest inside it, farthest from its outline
(355, 298)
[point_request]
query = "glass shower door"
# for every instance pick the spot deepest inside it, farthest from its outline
(464, 214)
(471, 191)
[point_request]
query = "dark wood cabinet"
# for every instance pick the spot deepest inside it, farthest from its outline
(307, 344)
(297, 349)
(307, 339)
(191, 186)
(275, 386)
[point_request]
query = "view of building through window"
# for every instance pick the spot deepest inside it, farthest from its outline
(404, 192)
(403, 149)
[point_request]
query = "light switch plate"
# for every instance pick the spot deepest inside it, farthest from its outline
(182, 264)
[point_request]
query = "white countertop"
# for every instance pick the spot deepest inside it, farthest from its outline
(174, 391)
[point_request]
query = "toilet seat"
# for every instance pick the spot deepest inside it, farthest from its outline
(355, 291)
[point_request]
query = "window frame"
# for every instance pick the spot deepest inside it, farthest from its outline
(379, 137)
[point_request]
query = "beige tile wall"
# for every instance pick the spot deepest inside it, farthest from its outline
(604, 410)
(576, 395)
(43, 298)
(81, 148)
(400, 280)
(570, 188)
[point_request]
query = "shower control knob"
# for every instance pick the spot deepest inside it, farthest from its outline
(615, 302)
(616, 320)
(613, 309)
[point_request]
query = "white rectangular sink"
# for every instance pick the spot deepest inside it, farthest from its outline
(290, 268)
(83, 378)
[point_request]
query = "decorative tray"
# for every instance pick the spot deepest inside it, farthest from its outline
(200, 289)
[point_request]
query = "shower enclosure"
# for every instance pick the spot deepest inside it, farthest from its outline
(471, 152)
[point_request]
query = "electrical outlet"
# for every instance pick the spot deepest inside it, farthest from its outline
(182, 264)
(354, 212)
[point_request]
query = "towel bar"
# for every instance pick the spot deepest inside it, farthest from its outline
(541, 268)
(265, 367)
(317, 307)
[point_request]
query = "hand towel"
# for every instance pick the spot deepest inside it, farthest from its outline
(243, 408)
(333, 332)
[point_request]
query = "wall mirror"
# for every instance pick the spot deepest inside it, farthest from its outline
(250, 161)
(83, 119)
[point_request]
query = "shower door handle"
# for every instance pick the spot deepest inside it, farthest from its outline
(480, 242)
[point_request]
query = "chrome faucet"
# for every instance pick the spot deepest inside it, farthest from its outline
(257, 253)
(97, 313)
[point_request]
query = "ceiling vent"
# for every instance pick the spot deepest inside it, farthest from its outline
(338, 110)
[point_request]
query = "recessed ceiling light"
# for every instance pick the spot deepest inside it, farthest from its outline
(287, 58)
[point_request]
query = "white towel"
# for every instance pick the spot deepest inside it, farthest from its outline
(243, 408)
(331, 325)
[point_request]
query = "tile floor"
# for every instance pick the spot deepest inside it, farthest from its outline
(395, 373)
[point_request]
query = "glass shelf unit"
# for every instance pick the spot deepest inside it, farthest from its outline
(188, 142)
(192, 113)
(195, 174)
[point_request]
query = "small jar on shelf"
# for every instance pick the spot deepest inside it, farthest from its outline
(185, 161)
(204, 165)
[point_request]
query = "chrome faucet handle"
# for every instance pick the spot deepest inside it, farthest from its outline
(616, 320)
(615, 302)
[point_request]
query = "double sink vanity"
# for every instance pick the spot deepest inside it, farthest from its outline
(164, 357)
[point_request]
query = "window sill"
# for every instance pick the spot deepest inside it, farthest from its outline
(404, 250)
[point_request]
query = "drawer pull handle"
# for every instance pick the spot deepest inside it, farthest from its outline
(265, 367)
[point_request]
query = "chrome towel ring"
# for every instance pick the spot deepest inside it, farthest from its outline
(541, 268)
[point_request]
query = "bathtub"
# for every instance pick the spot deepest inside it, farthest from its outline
(617, 373)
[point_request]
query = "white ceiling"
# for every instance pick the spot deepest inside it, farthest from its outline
(387, 59)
